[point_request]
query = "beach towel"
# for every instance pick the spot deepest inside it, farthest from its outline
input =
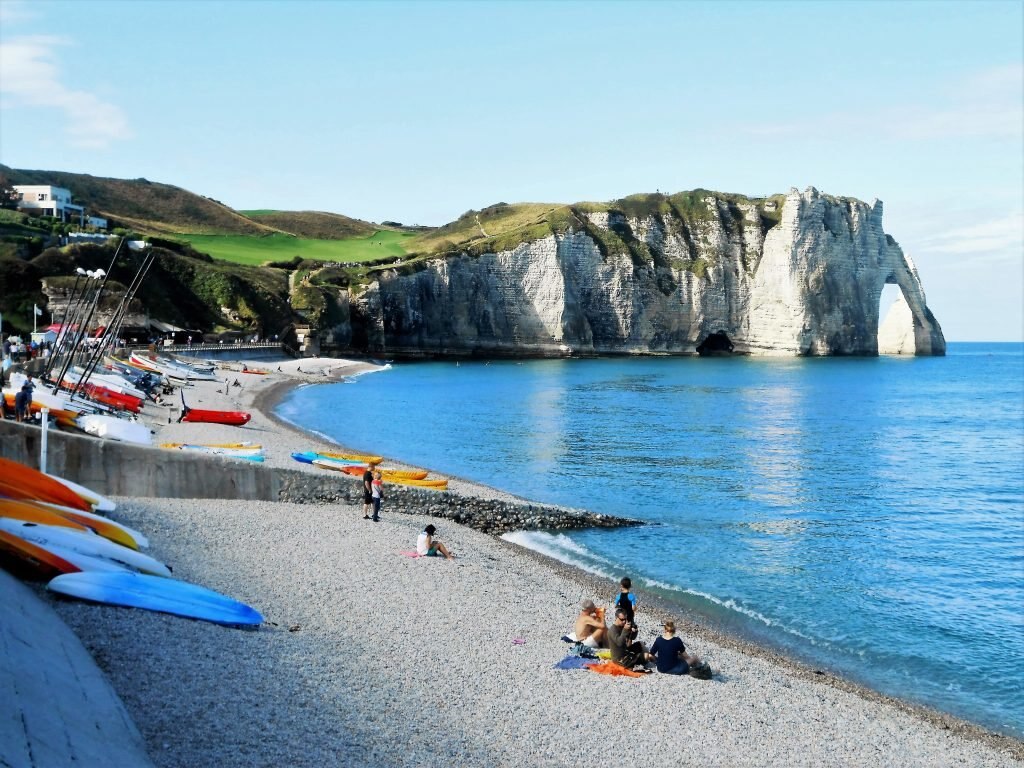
(412, 553)
(611, 668)
(572, 662)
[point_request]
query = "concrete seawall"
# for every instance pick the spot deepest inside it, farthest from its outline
(122, 469)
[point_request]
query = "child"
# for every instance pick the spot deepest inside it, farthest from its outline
(626, 600)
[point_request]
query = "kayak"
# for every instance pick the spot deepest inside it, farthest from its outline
(20, 481)
(436, 485)
(30, 512)
(358, 457)
(389, 474)
(136, 590)
(99, 503)
(232, 418)
(84, 543)
(308, 457)
(237, 446)
(248, 454)
(121, 534)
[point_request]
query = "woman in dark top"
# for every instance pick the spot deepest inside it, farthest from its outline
(670, 653)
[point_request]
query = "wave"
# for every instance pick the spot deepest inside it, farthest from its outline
(560, 547)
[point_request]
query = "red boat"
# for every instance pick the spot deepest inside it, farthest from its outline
(234, 418)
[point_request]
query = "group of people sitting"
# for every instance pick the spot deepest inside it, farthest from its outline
(667, 652)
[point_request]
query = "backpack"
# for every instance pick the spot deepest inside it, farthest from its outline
(701, 670)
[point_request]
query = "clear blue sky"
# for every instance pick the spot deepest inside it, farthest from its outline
(417, 112)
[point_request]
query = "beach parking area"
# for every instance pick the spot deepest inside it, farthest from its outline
(373, 658)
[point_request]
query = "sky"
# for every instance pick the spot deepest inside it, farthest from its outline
(419, 111)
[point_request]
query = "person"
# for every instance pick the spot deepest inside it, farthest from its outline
(627, 600)
(626, 649)
(428, 546)
(670, 654)
(368, 490)
(590, 628)
(23, 402)
(377, 493)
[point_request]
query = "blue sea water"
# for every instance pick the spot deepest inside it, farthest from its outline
(863, 514)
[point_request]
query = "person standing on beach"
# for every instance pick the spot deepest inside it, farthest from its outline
(377, 493)
(368, 490)
(626, 600)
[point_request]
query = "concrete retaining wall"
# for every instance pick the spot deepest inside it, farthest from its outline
(123, 469)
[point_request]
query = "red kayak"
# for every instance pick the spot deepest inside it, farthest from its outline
(234, 418)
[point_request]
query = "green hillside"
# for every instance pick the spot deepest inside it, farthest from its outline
(278, 247)
(144, 206)
(314, 225)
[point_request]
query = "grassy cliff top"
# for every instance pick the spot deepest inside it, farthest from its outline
(314, 225)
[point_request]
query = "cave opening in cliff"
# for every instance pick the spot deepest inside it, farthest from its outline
(716, 344)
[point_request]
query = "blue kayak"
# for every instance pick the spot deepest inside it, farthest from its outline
(156, 593)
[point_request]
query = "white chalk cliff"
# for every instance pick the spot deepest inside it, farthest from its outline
(805, 279)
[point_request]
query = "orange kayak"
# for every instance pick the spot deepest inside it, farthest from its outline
(37, 558)
(19, 481)
(28, 512)
(393, 475)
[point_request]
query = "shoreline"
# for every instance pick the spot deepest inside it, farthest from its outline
(268, 400)
(787, 687)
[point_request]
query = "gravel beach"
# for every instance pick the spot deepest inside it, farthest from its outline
(372, 658)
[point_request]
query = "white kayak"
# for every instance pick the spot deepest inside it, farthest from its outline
(114, 428)
(99, 503)
(84, 543)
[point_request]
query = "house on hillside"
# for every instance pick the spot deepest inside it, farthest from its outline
(48, 200)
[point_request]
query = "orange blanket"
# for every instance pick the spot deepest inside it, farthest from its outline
(611, 668)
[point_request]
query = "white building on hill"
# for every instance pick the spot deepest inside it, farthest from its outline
(47, 200)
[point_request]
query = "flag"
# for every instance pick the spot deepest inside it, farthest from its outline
(38, 310)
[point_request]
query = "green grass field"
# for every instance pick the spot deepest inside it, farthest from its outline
(257, 250)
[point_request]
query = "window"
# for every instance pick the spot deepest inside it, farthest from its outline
(41, 196)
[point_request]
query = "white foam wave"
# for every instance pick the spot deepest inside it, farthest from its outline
(563, 549)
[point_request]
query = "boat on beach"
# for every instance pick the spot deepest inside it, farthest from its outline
(388, 474)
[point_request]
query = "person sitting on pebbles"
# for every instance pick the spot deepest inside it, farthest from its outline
(670, 653)
(590, 628)
(428, 546)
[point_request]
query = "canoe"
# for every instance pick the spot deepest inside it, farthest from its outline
(20, 481)
(84, 543)
(99, 503)
(151, 593)
(361, 458)
(232, 418)
(122, 534)
(389, 474)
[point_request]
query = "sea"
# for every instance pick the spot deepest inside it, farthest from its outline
(863, 515)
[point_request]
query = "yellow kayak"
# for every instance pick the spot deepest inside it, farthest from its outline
(353, 457)
(436, 485)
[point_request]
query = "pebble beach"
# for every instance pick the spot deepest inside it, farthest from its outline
(371, 658)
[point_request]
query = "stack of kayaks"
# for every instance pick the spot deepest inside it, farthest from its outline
(356, 465)
(51, 528)
(246, 451)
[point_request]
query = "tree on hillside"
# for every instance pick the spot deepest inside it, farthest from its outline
(8, 195)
